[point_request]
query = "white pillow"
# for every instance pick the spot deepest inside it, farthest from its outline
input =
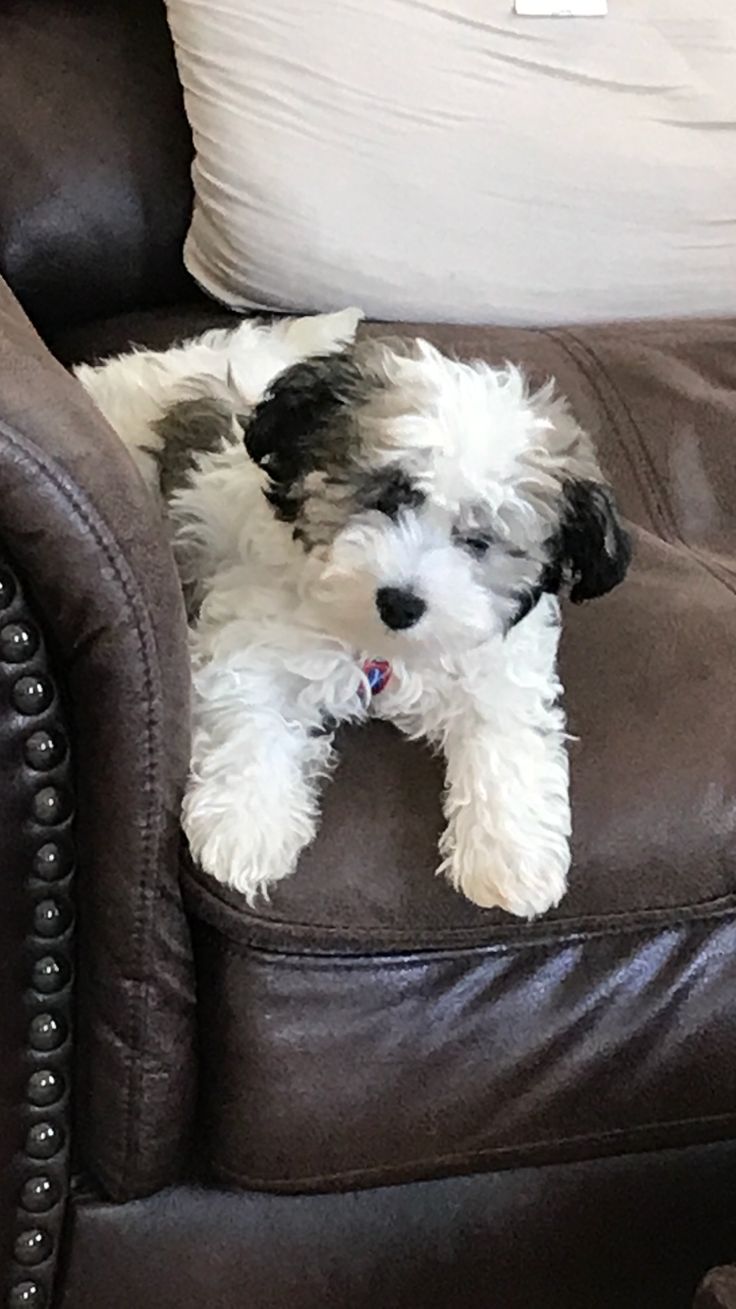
(447, 160)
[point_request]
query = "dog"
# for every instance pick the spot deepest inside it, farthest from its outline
(370, 528)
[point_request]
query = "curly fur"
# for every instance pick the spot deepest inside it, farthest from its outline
(376, 499)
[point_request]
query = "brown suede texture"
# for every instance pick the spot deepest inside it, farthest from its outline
(369, 1025)
(78, 524)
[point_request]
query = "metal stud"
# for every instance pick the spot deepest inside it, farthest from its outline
(44, 749)
(50, 806)
(51, 862)
(39, 1194)
(18, 642)
(32, 1247)
(44, 1088)
(51, 918)
(26, 1295)
(7, 589)
(49, 974)
(44, 1140)
(46, 1032)
(32, 694)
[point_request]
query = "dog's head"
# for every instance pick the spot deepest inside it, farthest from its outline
(435, 500)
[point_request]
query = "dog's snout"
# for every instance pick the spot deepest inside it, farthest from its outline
(399, 608)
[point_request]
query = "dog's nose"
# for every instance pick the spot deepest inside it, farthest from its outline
(399, 608)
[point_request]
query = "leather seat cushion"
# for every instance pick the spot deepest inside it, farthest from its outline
(369, 1025)
(630, 1233)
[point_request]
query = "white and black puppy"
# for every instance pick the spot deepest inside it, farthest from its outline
(370, 529)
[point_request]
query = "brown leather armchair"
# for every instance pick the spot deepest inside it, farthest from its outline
(369, 1092)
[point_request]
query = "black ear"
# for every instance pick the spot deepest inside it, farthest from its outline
(293, 428)
(592, 550)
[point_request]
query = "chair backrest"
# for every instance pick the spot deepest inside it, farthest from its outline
(95, 191)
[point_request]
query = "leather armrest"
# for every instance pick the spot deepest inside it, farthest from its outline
(88, 544)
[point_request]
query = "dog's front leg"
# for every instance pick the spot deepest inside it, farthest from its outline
(507, 806)
(252, 800)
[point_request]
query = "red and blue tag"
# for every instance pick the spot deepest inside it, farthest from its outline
(377, 674)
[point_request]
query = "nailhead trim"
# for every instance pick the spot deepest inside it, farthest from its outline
(42, 1165)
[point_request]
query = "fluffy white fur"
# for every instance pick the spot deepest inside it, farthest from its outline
(284, 628)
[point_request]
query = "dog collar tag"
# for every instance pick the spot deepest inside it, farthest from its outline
(378, 674)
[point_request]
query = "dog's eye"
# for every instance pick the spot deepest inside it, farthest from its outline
(477, 545)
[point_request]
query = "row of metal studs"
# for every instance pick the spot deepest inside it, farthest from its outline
(44, 755)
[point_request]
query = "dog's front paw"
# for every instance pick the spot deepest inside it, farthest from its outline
(239, 848)
(523, 881)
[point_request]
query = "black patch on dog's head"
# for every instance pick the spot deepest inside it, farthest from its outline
(296, 427)
(591, 550)
(391, 490)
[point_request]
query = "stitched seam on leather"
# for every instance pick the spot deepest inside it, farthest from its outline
(418, 957)
(136, 608)
(725, 577)
(691, 914)
(648, 467)
(594, 373)
(655, 485)
(456, 1159)
(703, 911)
